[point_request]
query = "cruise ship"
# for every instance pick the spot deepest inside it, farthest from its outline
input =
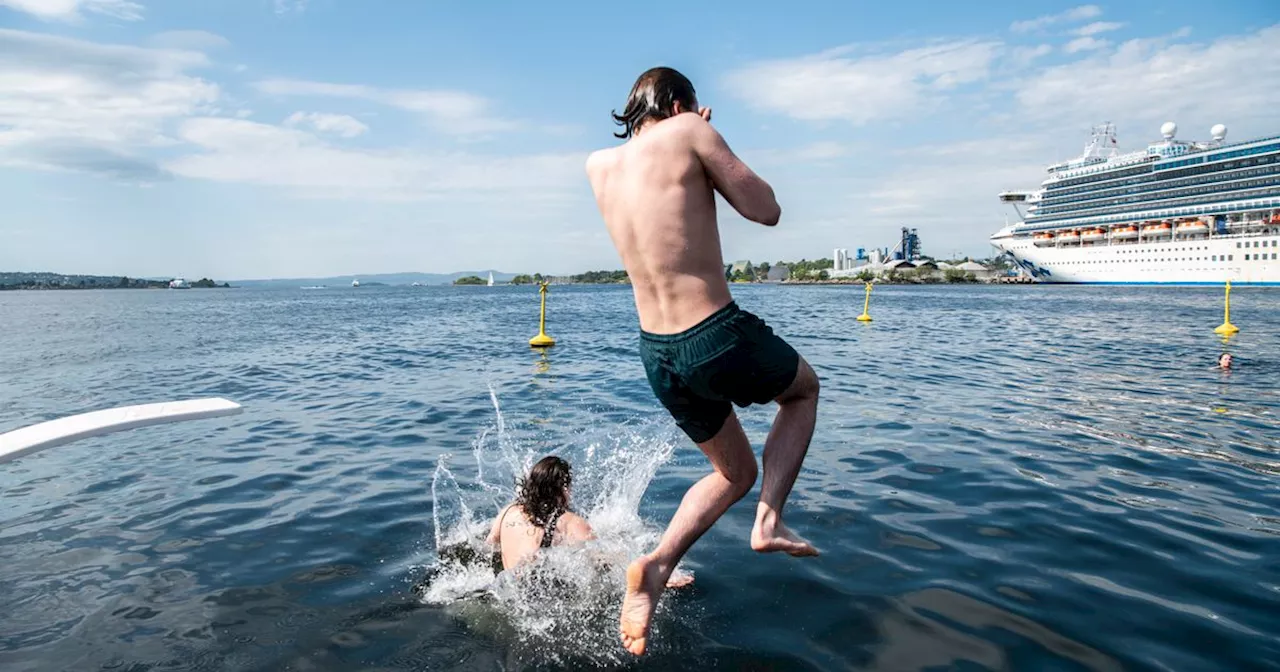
(1175, 213)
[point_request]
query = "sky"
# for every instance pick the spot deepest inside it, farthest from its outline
(240, 139)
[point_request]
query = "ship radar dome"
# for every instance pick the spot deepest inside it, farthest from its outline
(1168, 130)
(1219, 131)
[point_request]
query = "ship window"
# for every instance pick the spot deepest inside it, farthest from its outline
(1237, 244)
(1246, 257)
(1231, 257)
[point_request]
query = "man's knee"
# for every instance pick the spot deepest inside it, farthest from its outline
(743, 478)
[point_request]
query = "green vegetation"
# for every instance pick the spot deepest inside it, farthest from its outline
(957, 275)
(13, 281)
(588, 278)
(810, 270)
(471, 280)
(601, 278)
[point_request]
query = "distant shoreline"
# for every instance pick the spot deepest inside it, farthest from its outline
(70, 288)
(43, 281)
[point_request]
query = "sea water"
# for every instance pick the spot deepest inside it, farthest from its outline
(1031, 478)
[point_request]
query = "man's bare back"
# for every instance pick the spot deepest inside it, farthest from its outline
(701, 353)
(657, 196)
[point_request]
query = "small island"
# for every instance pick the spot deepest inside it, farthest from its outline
(206, 283)
(470, 280)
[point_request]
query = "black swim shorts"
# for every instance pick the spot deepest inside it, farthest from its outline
(732, 356)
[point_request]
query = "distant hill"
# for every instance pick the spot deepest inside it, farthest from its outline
(375, 278)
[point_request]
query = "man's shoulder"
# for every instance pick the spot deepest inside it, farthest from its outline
(686, 126)
(600, 159)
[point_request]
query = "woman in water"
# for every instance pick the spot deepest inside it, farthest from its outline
(540, 516)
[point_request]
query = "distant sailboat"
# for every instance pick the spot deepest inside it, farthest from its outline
(355, 283)
(490, 278)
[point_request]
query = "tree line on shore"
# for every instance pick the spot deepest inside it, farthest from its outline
(805, 270)
(9, 281)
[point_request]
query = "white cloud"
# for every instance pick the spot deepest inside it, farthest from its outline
(830, 87)
(196, 40)
(71, 104)
(242, 151)
(1085, 44)
(1144, 81)
(70, 10)
(283, 7)
(1081, 13)
(948, 190)
(337, 124)
(1097, 27)
(451, 111)
(1025, 55)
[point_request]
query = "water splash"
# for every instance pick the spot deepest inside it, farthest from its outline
(563, 606)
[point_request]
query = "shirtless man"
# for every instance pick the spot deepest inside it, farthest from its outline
(701, 353)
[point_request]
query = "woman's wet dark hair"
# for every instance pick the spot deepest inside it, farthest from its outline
(544, 493)
(652, 97)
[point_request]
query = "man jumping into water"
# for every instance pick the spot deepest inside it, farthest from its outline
(701, 353)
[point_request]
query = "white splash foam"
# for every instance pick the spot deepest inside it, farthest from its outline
(564, 605)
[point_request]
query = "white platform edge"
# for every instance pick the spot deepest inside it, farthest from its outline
(34, 438)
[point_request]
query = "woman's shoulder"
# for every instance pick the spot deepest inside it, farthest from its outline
(574, 525)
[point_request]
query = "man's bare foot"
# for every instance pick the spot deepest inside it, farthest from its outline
(775, 537)
(645, 583)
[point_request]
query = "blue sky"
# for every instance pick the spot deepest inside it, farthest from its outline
(279, 138)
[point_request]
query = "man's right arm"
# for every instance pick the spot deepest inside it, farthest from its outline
(750, 195)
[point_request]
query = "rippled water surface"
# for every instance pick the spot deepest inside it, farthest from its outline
(1031, 478)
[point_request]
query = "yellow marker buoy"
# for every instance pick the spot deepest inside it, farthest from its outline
(542, 340)
(865, 317)
(1226, 327)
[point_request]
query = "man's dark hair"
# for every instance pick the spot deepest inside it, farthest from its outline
(544, 493)
(652, 97)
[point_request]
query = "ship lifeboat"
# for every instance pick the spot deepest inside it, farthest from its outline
(1193, 227)
(1069, 236)
(1042, 239)
(1128, 232)
(1157, 230)
(1093, 235)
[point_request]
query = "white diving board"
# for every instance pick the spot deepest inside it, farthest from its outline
(32, 439)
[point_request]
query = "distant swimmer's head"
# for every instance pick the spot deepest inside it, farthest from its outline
(1224, 360)
(659, 93)
(544, 493)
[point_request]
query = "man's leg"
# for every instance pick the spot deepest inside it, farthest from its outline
(704, 503)
(784, 452)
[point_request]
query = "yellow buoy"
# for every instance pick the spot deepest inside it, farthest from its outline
(542, 340)
(865, 317)
(1226, 327)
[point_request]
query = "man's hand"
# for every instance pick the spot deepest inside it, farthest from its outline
(705, 113)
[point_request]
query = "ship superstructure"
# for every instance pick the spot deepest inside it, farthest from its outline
(1177, 212)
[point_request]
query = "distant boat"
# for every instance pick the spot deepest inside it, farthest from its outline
(490, 278)
(179, 283)
(417, 284)
(355, 283)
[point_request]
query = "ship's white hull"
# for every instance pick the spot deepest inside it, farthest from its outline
(1198, 261)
